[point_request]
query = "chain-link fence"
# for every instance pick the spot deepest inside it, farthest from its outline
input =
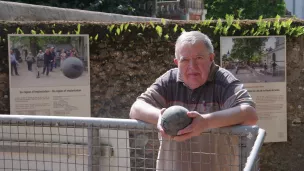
(52, 143)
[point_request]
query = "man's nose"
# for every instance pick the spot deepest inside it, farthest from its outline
(192, 63)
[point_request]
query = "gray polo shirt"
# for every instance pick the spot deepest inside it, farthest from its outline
(207, 152)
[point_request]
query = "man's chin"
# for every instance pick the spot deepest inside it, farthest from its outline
(194, 82)
(194, 85)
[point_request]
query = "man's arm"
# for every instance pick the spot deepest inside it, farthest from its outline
(143, 111)
(238, 115)
(238, 106)
(149, 104)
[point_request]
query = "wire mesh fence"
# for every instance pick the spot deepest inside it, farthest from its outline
(52, 143)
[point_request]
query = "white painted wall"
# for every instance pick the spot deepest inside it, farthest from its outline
(296, 7)
(12, 11)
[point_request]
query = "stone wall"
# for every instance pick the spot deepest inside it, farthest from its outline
(123, 67)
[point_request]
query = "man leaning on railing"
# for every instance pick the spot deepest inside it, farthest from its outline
(214, 97)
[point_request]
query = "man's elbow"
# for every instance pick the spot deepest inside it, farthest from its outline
(135, 110)
(132, 113)
(251, 117)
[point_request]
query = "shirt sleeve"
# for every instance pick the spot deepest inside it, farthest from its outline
(234, 94)
(156, 93)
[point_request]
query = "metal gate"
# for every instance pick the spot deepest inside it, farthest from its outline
(58, 143)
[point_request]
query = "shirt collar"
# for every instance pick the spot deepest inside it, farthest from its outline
(213, 69)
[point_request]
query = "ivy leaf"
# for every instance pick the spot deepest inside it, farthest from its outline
(143, 26)
(96, 37)
(163, 21)
(126, 26)
(19, 30)
(225, 30)
(237, 24)
(166, 36)
(267, 33)
(159, 30)
(33, 31)
(111, 27)
(229, 19)
(118, 31)
(152, 24)
(252, 31)
(299, 31)
(245, 32)
(175, 28)
(121, 27)
(78, 29)
(194, 27)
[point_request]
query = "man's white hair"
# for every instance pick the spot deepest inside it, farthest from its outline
(192, 37)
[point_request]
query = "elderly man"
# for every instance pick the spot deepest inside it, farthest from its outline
(214, 97)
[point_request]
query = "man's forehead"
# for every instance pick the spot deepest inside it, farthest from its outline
(193, 52)
(189, 45)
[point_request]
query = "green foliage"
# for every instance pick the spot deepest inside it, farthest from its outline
(175, 28)
(169, 31)
(96, 37)
(152, 24)
(248, 50)
(244, 9)
(159, 30)
(163, 21)
(33, 31)
(19, 31)
(78, 29)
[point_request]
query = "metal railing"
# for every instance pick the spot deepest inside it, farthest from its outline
(60, 143)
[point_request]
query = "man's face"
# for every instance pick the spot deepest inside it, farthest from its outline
(194, 64)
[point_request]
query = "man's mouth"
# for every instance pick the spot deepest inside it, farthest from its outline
(193, 74)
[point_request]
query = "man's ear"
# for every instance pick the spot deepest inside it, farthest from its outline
(176, 61)
(211, 56)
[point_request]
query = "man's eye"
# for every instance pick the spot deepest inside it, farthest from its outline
(184, 60)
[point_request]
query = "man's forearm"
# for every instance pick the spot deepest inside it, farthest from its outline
(143, 111)
(243, 115)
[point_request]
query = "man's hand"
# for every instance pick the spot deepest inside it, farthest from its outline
(160, 128)
(198, 125)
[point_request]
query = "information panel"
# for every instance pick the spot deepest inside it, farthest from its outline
(260, 63)
(49, 75)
